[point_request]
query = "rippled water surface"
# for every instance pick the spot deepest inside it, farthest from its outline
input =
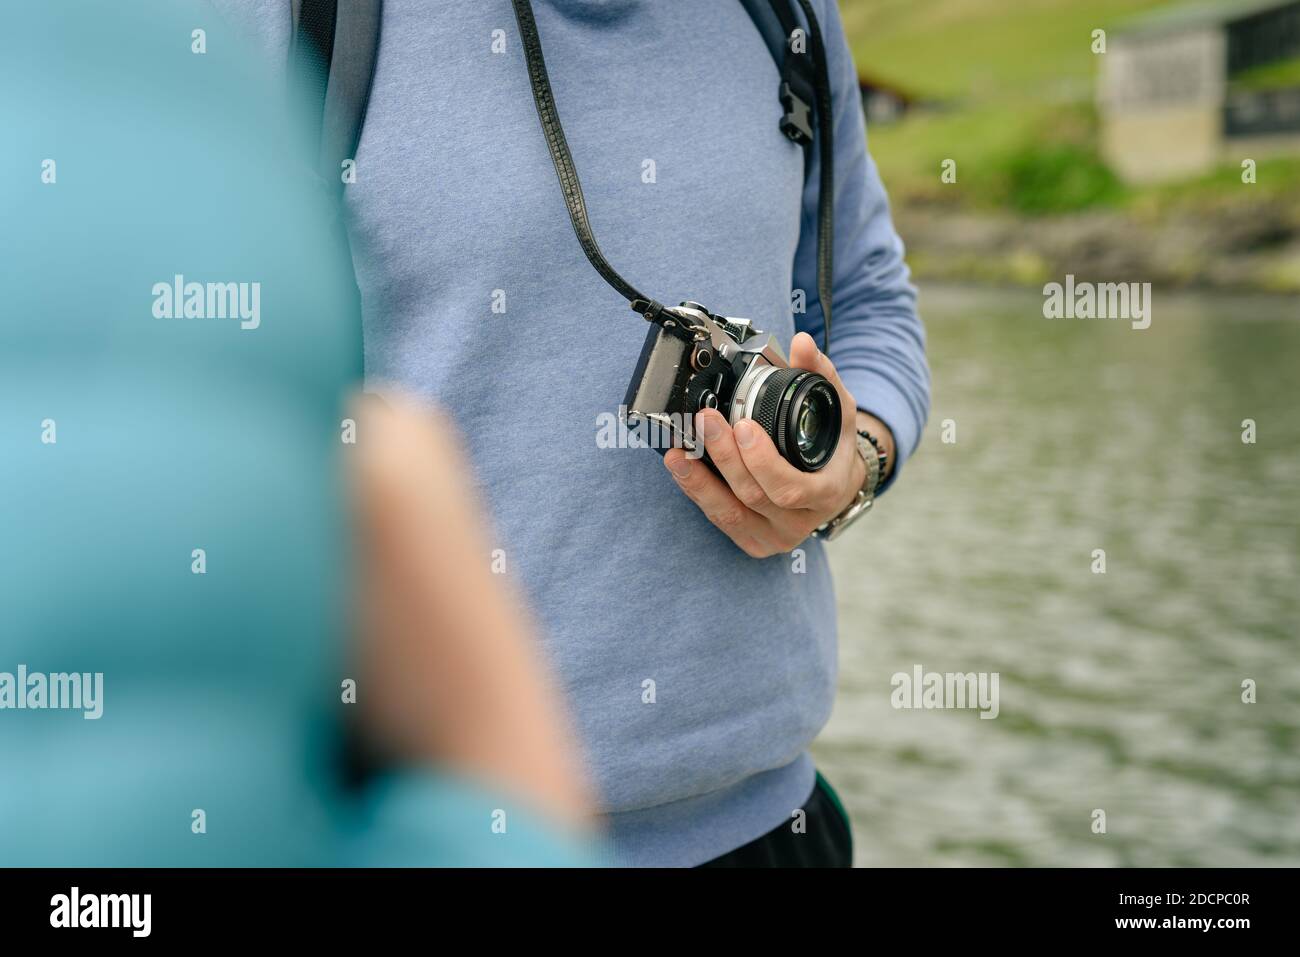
(1119, 691)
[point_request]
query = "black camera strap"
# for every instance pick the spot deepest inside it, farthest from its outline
(792, 68)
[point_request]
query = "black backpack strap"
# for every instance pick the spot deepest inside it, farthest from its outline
(335, 45)
(776, 23)
(805, 83)
(769, 27)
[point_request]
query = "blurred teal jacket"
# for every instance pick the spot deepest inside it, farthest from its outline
(170, 488)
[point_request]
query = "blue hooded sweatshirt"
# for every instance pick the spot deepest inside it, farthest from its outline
(698, 676)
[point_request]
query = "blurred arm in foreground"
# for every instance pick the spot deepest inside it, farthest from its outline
(452, 672)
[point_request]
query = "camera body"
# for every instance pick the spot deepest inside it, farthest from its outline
(694, 360)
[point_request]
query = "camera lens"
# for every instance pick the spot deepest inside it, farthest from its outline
(808, 423)
(800, 410)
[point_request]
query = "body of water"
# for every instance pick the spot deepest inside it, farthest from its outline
(1120, 692)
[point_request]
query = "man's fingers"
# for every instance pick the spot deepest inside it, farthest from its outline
(804, 354)
(785, 486)
(721, 446)
(742, 525)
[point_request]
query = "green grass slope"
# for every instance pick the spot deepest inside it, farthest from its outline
(1016, 82)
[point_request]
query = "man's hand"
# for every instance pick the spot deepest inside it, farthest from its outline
(766, 505)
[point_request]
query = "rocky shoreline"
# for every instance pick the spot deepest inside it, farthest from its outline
(1254, 247)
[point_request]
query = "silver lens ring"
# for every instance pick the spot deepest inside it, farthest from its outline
(747, 390)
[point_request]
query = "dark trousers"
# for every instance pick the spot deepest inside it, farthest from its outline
(822, 839)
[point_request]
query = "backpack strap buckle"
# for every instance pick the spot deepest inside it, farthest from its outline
(797, 89)
(796, 123)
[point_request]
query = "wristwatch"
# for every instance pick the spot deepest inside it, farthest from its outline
(876, 459)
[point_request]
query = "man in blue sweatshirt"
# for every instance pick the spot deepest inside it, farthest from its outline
(698, 655)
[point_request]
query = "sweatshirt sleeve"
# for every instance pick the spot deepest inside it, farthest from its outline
(877, 340)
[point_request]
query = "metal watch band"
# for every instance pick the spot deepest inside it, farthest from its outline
(875, 460)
